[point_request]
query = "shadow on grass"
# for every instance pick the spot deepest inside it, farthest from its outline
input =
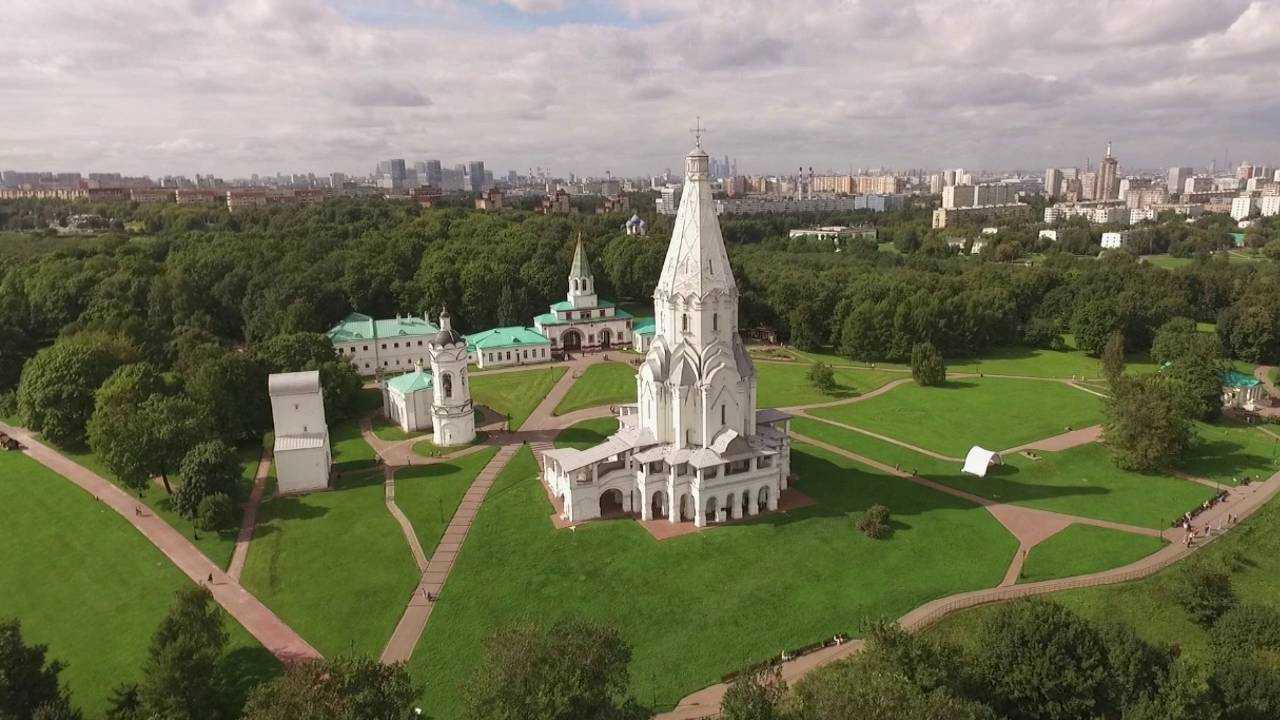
(244, 668)
(1223, 457)
(426, 472)
(579, 437)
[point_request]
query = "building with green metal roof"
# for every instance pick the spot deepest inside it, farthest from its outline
(407, 399)
(514, 345)
(391, 345)
(583, 320)
(1241, 390)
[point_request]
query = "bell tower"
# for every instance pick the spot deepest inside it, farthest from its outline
(452, 418)
(582, 284)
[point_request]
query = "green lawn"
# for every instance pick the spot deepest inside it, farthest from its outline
(429, 494)
(217, 546)
(607, 383)
(514, 394)
(1085, 549)
(333, 565)
(83, 581)
(390, 431)
(744, 592)
(1082, 481)
(1226, 451)
(1042, 363)
(1251, 553)
(427, 448)
(350, 451)
(831, 357)
(781, 385)
(995, 413)
(1168, 262)
(587, 433)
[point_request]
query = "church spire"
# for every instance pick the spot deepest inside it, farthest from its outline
(580, 267)
(696, 262)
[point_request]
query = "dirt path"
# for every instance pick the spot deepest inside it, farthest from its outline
(885, 438)
(1243, 502)
(277, 637)
(249, 520)
(1064, 441)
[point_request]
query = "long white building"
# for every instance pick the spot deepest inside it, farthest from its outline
(694, 447)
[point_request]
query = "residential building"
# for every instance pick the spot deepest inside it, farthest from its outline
(1269, 205)
(503, 346)
(1177, 179)
(948, 217)
(1108, 177)
(556, 203)
(490, 200)
(1243, 206)
(1113, 240)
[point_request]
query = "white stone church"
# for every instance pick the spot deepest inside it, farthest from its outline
(438, 399)
(694, 447)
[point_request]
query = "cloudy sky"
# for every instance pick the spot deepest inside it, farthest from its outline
(239, 86)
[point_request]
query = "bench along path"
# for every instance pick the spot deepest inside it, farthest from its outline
(263, 624)
(1242, 502)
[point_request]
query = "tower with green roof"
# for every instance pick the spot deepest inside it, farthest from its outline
(452, 415)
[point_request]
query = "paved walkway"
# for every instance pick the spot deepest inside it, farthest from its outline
(1242, 503)
(435, 571)
(1065, 441)
(878, 436)
(263, 624)
(249, 520)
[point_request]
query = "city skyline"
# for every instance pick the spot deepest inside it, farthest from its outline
(236, 88)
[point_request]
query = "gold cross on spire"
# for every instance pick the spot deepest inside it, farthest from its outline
(697, 131)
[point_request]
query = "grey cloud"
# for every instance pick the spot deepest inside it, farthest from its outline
(381, 93)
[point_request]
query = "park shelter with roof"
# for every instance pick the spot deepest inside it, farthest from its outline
(582, 320)
(390, 345)
(1242, 391)
(979, 460)
(515, 345)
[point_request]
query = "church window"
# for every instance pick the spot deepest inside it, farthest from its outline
(446, 381)
(722, 414)
(684, 322)
(384, 346)
(715, 322)
(395, 345)
(365, 348)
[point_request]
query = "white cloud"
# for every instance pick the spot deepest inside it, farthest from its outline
(238, 86)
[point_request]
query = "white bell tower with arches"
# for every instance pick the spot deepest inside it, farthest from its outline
(452, 416)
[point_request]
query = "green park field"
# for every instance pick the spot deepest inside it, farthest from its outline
(1085, 549)
(607, 383)
(514, 394)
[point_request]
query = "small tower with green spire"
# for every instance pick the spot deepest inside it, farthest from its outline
(582, 286)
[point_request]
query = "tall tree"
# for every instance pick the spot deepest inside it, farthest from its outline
(15, 347)
(574, 670)
(1113, 357)
(231, 390)
(1146, 426)
(182, 678)
(141, 441)
(926, 365)
(56, 392)
(28, 682)
(207, 469)
(754, 695)
(343, 688)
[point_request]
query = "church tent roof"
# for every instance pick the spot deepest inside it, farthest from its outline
(979, 460)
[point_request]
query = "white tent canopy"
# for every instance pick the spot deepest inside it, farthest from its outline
(979, 459)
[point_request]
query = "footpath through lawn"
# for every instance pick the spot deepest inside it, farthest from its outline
(429, 494)
(1081, 481)
(1085, 549)
(995, 413)
(1249, 552)
(744, 591)
(515, 394)
(334, 565)
(606, 383)
(87, 584)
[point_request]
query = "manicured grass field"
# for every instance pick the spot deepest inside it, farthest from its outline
(782, 385)
(350, 451)
(1251, 553)
(217, 546)
(831, 357)
(333, 565)
(1226, 451)
(587, 433)
(429, 494)
(1084, 549)
(388, 430)
(992, 412)
(427, 448)
(515, 394)
(1042, 363)
(607, 383)
(1082, 481)
(1168, 262)
(744, 591)
(92, 588)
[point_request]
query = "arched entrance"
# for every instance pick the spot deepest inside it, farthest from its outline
(686, 508)
(611, 503)
(712, 508)
(606, 338)
(658, 507)
(571, 340)
(746, 502)
(762, 500)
